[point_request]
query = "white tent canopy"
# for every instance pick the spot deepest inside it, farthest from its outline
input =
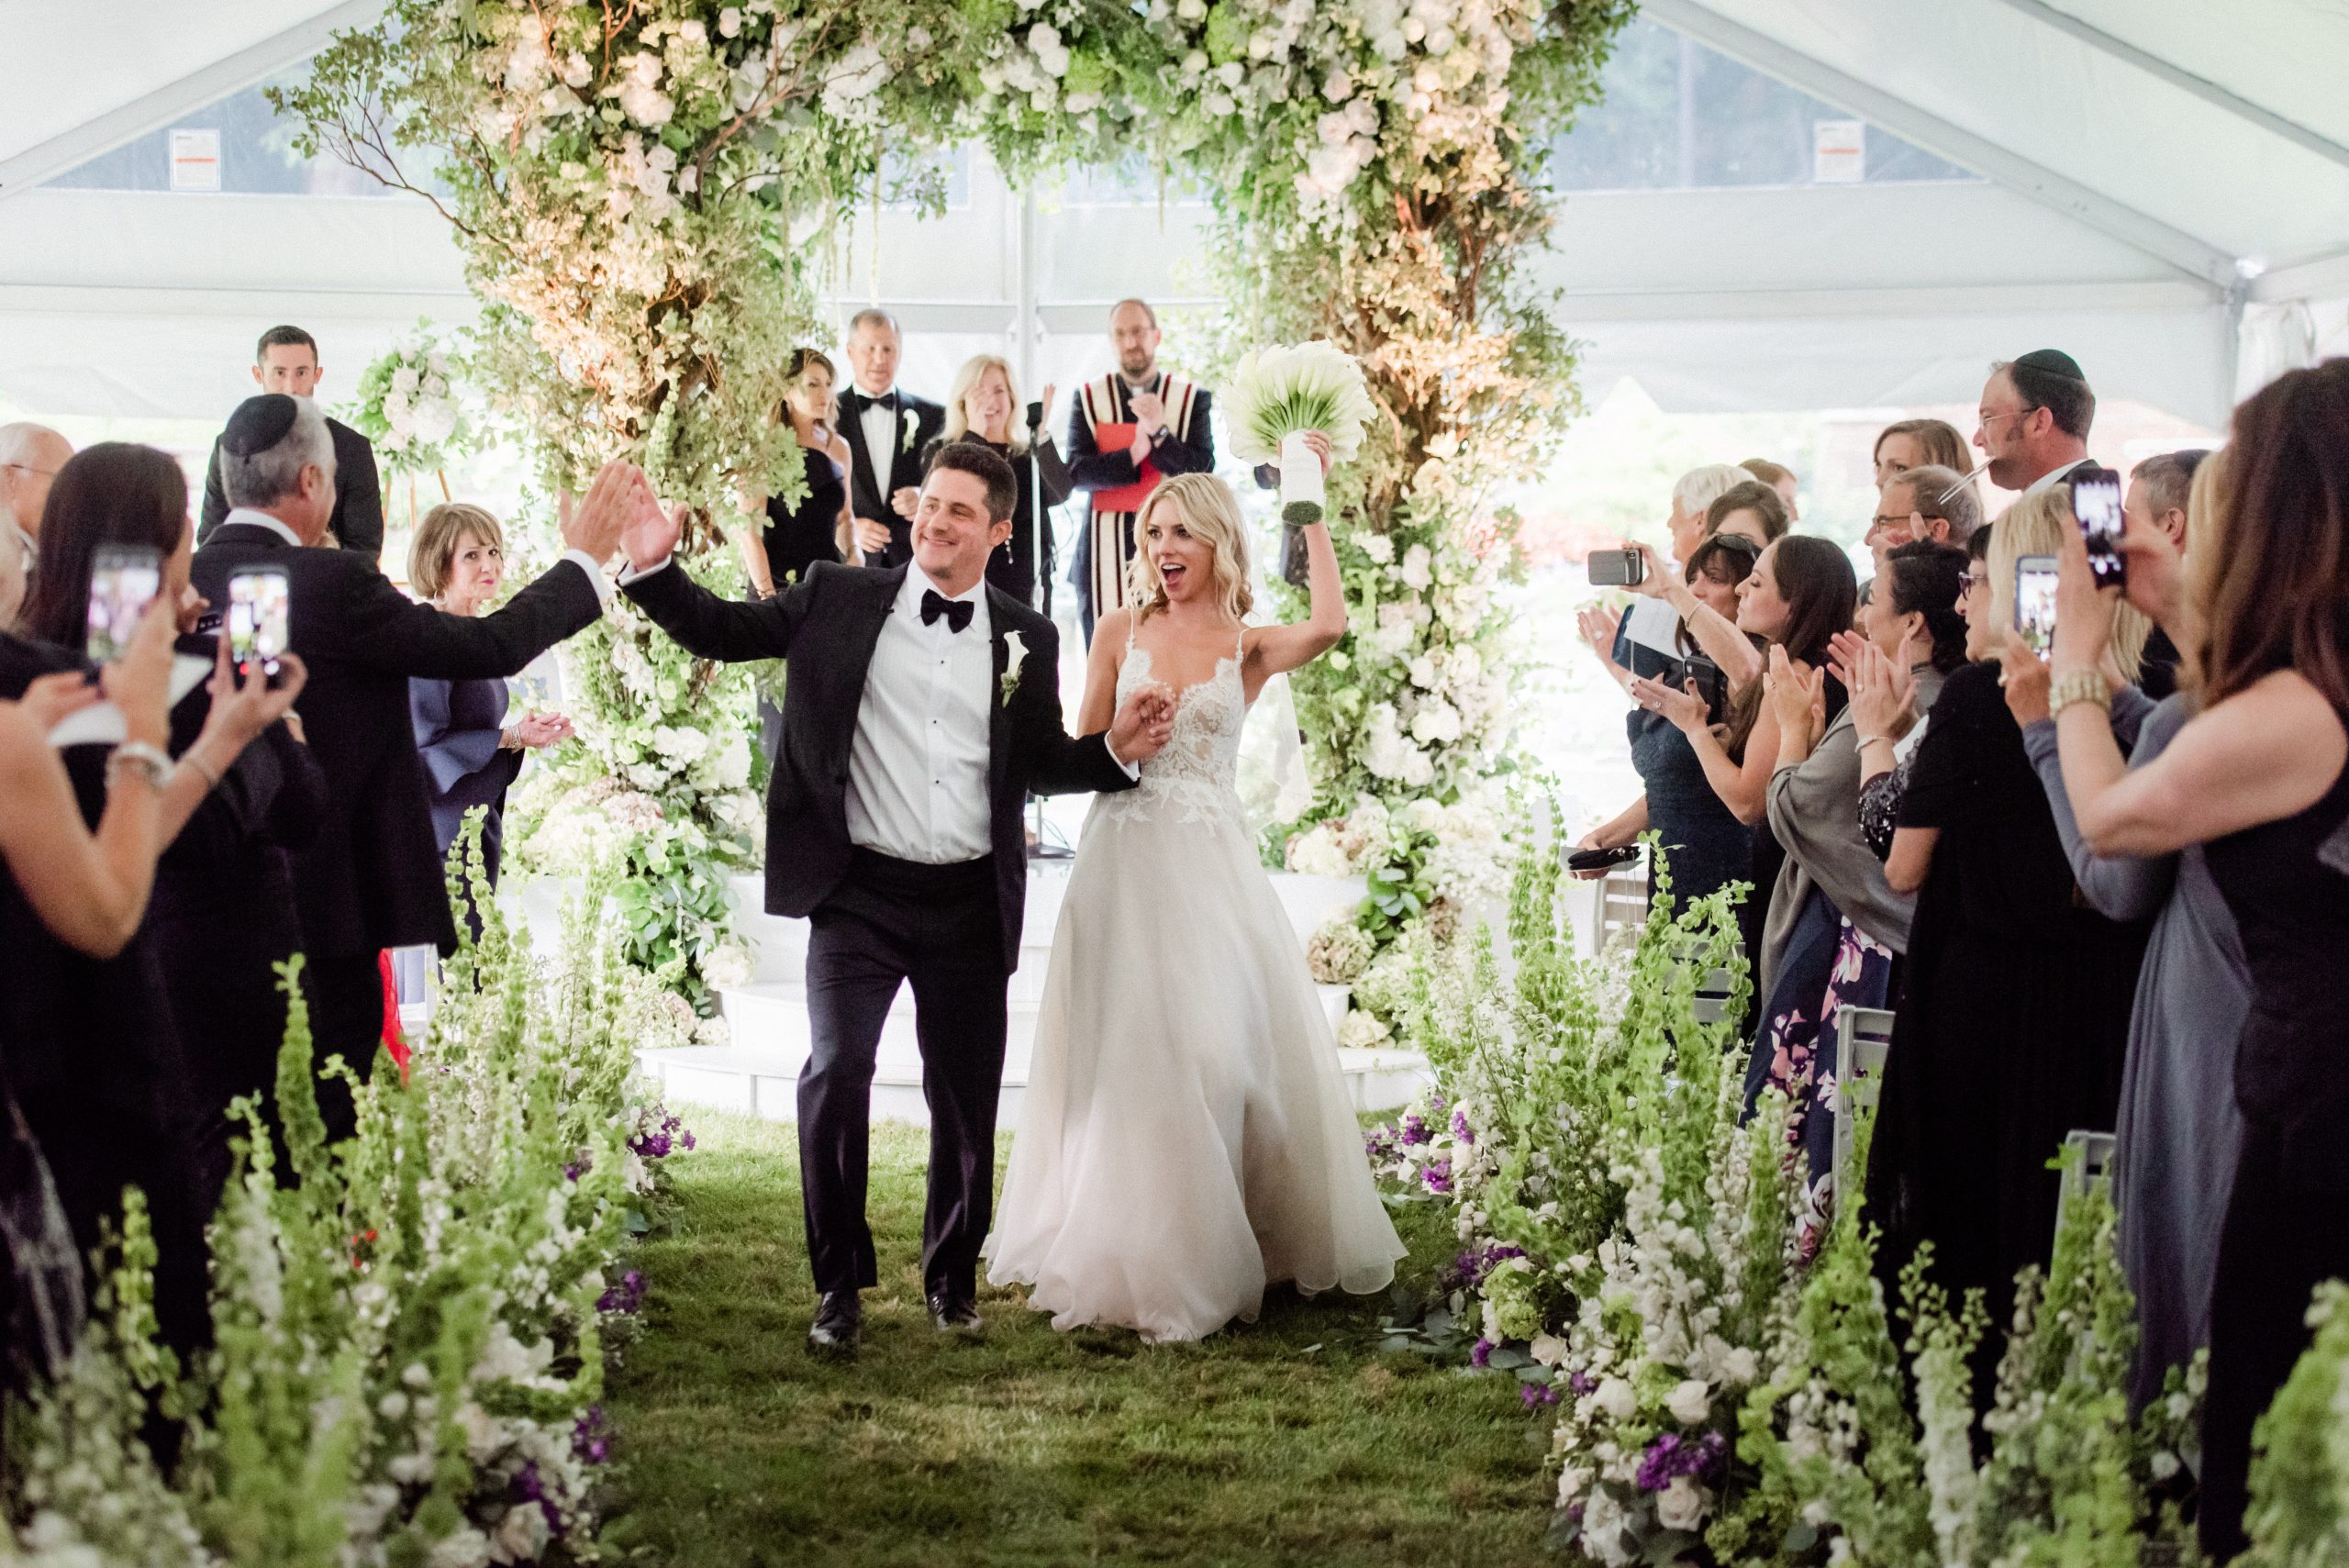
(2159, 186)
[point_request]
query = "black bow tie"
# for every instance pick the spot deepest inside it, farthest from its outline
(957, 612)
(862, 401)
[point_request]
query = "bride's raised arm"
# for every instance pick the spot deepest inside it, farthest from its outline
(1277, 650)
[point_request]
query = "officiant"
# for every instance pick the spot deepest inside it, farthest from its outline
(887, 430)
(1127, 431)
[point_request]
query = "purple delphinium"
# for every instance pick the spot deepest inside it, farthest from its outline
(1437, 1176)
(663, 1140)
(624, 1297)
(579, 1167)
(1468, 1270)
(1482, 1353)
(1580, 1383)
(1537, 1393)
(1461, 1131)
(1415, 1132)
(1672, 1455)
(529, 1487)
(591, 1436)
(1381, 1146)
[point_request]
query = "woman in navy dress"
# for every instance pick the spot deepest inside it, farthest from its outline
(471, 751)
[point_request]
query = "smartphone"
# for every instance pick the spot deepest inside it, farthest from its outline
(124, 580)
(259, 599)
(1617, 568)
(2096, 502)
(2036, 601)
(1713, 684)
(1600, 860)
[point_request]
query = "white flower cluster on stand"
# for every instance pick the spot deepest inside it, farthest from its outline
(409, 403)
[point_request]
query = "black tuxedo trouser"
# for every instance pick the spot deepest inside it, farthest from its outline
(940, 927)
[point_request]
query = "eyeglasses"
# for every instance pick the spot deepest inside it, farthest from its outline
(1972, 581)
(28, 468)
(1982, 420)
(1884, 520)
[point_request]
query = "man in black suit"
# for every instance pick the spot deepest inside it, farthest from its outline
(286, 360)
(923, 707)
(370, 877)
(888, 429)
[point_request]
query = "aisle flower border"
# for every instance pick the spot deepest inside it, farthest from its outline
(648, 197)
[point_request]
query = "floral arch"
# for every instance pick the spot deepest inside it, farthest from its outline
(644, 190)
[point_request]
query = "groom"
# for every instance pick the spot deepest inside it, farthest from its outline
(922, 708)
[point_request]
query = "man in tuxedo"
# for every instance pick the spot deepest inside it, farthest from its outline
(371, 876)
(286, 360)
(923, 706)
(887, 430)
(1126, 432)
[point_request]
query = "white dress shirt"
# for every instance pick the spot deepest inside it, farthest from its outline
(580, 558)
(918, 767)
(878, 426)
(2054, 476)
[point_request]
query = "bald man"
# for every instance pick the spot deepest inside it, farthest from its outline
(30, 456)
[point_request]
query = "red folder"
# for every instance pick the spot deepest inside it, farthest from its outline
(1117, 438)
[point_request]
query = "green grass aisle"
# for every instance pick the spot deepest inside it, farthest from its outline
(1293, 1440)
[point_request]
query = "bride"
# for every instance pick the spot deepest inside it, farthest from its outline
(1187, 1139)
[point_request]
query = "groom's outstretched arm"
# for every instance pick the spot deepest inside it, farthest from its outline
(725, 629)
(1058, 763)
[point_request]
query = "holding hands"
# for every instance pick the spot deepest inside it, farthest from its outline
(1141, 729)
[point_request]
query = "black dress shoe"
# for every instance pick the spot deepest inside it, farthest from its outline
(954, 1313)
(839, 1317)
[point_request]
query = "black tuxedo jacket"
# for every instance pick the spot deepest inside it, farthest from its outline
(867, 497)
(358, 521)
(371, 878)
(825, 626)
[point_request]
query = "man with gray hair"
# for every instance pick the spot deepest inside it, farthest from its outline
(370, 877)
(30, 456)
(888, 429)
(1928, 502)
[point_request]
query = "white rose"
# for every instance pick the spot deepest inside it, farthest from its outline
(1423, 673)
(1741, 1366)
(1690, 1402)
(1615, 1399)
(1418, 568)
(1439, 721)
(1681, 1506)
(1380, 548)
(1549, 1350)
(694, 32)
(730, 22)
(1602, 1529)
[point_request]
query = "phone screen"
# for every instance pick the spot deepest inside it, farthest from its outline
(124, 580)
(2036, 601)
(2096, 502)
(256, 618)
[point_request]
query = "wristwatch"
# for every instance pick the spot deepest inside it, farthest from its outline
(2079, 685)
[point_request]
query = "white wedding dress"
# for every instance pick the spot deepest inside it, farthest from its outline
(1186, 1138)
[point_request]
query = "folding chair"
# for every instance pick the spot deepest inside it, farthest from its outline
(1863, 1040)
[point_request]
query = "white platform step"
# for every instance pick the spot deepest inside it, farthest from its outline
(764, 1083)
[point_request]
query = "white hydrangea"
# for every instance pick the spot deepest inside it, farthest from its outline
(638, 91)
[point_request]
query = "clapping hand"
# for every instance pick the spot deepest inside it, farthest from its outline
(1685, 710)
(597, 525)
(1597, 626)
(1150, 413)
(1141, 729)
(534, 730)
(1797, 696)
(1884, 690)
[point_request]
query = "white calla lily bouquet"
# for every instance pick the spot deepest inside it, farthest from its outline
(1276, 395)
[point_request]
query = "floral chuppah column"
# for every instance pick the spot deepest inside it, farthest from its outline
(640, 189)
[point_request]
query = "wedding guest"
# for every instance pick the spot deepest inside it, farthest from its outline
(1693, 495)
(1984, 1079)
(1703, 844)
(286, 360)
(2258, 775)
(1916, 443)
(2177, 1142)
(1929, 503)
(370, 879)
(1799, 594)
(470, 753)
(13, 555)
(2034, 420)
(819, 526)
(1837, 930)
(1779, 478)
(1127, 431)
(1651, 621)
(984, 406)
(30, 456)
(222, 913)
(2158, 493)
(886, 427)
(1892, 723)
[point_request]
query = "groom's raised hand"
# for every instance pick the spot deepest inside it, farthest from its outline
(593, 525)
(1142, 725)
(652, 533)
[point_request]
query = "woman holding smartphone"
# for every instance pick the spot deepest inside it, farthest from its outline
(2015, 1013)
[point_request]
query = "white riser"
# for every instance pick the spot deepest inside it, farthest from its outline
(765, 1084)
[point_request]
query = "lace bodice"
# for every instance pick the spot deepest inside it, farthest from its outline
(1197, 773)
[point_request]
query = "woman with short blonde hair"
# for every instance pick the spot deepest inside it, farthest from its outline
(984, 408)
(438, 535)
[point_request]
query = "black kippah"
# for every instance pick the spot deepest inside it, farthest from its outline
(259, 423)
(2053, 361)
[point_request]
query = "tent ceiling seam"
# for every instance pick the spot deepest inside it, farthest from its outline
(2177, 76)
(2190, 255)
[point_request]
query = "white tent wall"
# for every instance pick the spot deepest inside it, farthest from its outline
(2170, 204)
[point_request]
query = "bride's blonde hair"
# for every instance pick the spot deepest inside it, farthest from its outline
(1209, 510)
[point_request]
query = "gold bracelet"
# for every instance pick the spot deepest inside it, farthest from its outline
(2078, 686)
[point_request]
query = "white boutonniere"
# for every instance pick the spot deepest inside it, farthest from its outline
(908, 422)
(1015, 654)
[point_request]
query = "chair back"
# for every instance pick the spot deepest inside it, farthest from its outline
(1863, 1041)
(2096, 1150)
